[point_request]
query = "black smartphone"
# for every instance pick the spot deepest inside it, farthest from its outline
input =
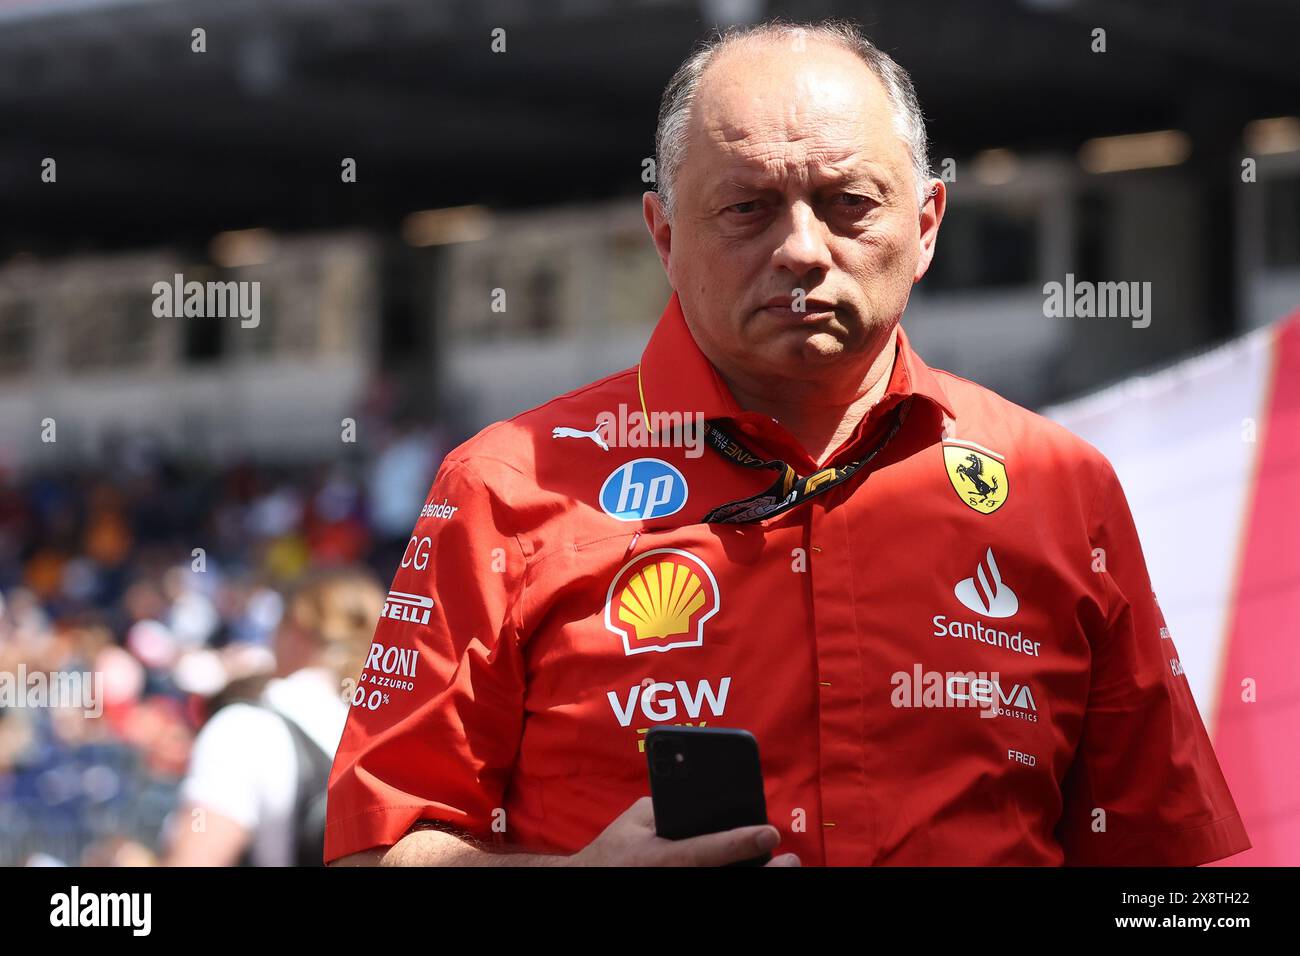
(703, 780)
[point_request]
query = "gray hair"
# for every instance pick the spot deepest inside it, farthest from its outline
(679, 95)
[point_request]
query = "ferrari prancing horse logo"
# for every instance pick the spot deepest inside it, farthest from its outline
(979, 476)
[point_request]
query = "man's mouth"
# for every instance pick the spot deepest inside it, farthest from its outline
(807, 310)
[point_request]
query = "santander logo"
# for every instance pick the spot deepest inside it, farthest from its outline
(986, 593)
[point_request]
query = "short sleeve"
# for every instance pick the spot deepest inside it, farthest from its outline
(437, 711)
(1145, 788)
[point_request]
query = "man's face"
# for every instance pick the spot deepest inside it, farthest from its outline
(794, 179)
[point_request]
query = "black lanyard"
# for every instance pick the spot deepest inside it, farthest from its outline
(789, 490)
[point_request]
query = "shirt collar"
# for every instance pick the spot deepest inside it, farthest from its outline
(674, 375)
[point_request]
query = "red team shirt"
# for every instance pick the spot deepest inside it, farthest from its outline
(952, 658)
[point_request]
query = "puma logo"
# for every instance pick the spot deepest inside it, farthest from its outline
(563, 431)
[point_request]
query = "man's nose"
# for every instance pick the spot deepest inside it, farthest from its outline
(804, 246)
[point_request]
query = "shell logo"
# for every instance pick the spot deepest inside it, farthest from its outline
(660, 600)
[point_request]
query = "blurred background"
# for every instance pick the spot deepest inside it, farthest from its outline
(165, 482)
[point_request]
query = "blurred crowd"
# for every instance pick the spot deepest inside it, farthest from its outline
(163, 583)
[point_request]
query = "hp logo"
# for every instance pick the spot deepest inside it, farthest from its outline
(642, 489)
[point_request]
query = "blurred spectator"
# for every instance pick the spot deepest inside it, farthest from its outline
(163, 581)
(256, 784)
(399, 479)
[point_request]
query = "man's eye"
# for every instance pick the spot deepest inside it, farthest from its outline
(748, 206)
(851, 200)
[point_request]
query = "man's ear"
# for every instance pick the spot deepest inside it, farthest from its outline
(661, 231)
(931, 216)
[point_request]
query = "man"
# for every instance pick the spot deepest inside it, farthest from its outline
(928, 604)
(258, 770)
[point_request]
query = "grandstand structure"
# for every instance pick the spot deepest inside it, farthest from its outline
(486, 175)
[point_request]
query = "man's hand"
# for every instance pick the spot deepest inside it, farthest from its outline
(631, 841)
